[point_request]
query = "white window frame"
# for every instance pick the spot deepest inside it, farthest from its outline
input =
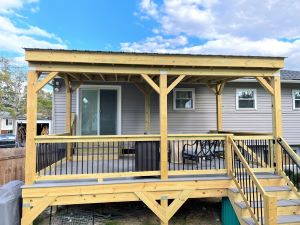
(183, 89)
(237, 98)
(294, 99)
(98, 88)
(9, 122)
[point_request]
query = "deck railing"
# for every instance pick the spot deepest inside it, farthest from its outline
(258, 202)
(66, 157)
(194, 153)
(257, 150)
(290, 163)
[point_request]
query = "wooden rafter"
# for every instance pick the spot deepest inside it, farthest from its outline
(38, 86)
(88, 76)
(75, 77)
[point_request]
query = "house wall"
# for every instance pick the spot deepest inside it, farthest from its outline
(3, 127)
(203, 118)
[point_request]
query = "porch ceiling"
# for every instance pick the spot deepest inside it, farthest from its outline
(127, 67)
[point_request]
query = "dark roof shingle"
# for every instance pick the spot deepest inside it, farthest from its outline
(289, 75)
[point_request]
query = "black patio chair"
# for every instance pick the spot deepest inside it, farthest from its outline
(200, 149)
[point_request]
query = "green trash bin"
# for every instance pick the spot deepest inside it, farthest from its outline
(228, 215)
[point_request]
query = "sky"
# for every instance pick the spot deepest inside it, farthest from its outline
(230, 27)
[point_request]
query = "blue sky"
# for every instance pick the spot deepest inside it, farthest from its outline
(269, 27)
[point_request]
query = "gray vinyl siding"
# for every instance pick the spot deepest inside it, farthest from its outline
(203, 118)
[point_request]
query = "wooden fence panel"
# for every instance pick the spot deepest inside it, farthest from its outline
(12, 164)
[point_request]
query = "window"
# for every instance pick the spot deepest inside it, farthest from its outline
(184, 99)
(9, 122)
(245, 99)
(296, 99)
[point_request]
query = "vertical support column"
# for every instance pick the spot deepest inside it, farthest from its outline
(147, 111)
(228, 154)
(163, 118)
(164, 204)
(30, 163)
(68, 114)
(219, 111)
(277, 120)
(270, 208)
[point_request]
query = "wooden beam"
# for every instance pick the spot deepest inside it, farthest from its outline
(129, 77)
(270, 209)
(163, 120)
(51, 56)
(68, 114)
(75, 77)
(178, 202)
(164, 204)
(147, 113)
(219, 112)
(38, 86)
(125, 70)
(87, 76)
(31, 129)
(277, 121)
(174, 83)
(158, 210)
(265, 85)
(151, 82)
(31, 214)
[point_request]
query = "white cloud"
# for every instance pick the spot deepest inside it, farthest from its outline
(149, 7)
(15, 36)
(256, 27)
(155, 44)
(9, 6)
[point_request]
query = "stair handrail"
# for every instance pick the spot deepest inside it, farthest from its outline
(269, 202)
(288, 156)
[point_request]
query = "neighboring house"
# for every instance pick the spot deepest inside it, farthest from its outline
(6, 123)
(251, 114)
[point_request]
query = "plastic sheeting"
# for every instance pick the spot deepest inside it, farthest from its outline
(10, 203)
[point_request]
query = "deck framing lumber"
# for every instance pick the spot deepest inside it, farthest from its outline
(30, 160)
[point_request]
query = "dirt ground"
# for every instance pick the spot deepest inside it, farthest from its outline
(193, 212)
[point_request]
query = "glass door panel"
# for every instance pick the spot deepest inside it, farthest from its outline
(108, 111)
(89, 112)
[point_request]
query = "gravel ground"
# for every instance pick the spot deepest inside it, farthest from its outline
(193, 212)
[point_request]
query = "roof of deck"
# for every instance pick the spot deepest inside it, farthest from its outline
(88, 65)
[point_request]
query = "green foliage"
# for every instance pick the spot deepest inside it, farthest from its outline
(13, 92)
(45, 104)
(294, 177)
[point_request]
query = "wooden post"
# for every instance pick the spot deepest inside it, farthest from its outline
(164, 204)
(30, 161)
(68, 114)
(270, 208)
(163, 118)
(228, 155)
(219, 111)
(147, 112)
(277, 121)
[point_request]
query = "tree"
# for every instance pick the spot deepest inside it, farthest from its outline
(45, 104)
(13, 92)
(12, 81)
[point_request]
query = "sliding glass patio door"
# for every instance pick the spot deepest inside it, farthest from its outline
(99, 111)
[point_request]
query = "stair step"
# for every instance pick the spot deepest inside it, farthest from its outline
(280, 203)
(286, 219)
(267, 176)
(267, 189)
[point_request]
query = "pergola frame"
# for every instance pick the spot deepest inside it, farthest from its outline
(148, 72)
(162, 72)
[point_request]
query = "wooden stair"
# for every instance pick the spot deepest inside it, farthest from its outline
(288, 203)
